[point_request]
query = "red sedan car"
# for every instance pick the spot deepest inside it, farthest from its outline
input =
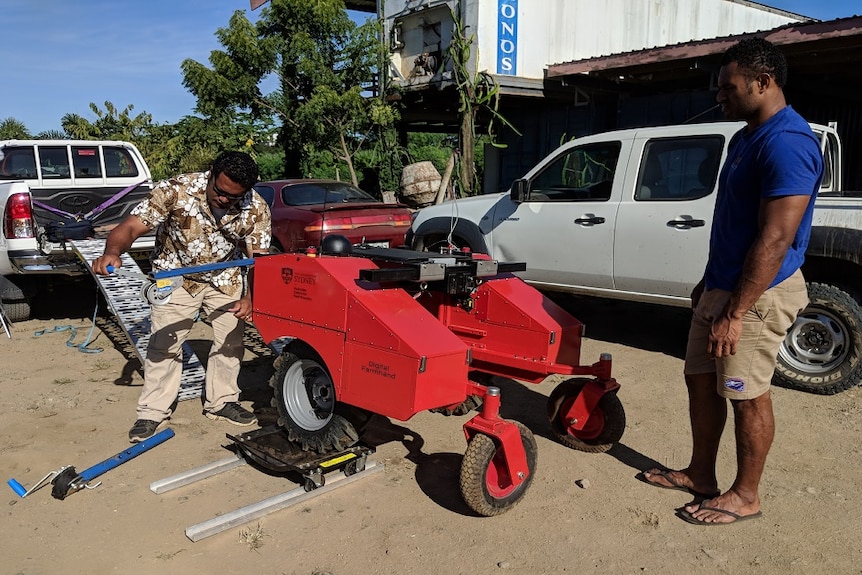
(305, 211)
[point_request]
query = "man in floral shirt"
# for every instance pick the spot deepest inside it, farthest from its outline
(199, 218)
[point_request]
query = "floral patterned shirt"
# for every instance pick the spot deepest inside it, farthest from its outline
(189, 234)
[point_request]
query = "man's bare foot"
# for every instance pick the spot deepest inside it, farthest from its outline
(726, 508)
(678, 480)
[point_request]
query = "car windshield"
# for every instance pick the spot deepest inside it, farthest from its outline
(323, 193)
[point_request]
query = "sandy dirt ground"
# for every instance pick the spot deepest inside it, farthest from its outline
(584, 513)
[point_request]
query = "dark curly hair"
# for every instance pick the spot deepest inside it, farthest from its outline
(238, 166)
(755, 56)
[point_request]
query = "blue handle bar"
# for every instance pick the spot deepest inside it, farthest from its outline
(122, 457)
(196, 269)
(79, 481)
(17, 487)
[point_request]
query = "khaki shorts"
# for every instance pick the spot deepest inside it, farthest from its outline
(748, 373)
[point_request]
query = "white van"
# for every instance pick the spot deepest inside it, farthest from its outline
(54, 190)
(76, 176)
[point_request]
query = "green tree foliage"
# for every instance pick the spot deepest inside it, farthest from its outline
(110, 124)
(319, 59)
(12, 129)
(270, 164)
(433, 147)
(78, 127)
(192, 144)
(114, 124)
(232, 83)
(52, 135)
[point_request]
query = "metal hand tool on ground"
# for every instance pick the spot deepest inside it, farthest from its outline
(67, 480)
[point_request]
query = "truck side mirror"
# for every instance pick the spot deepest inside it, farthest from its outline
(520, 190)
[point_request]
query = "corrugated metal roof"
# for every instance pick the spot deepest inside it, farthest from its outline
(820, 39)
(361, 5)
(767, 8)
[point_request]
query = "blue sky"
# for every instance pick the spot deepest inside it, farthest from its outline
(60, 55)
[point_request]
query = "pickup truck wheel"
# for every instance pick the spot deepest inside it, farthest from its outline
(822, 352)
(441, 244)
(604, 426)
(16, 303)
(17, 310)
(307, 407)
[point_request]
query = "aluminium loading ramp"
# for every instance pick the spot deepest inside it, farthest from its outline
(123, 294)
(269, 448)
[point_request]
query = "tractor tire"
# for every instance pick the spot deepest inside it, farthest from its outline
(604, 427)
(485, 485)
(308, 410)
(822, 352)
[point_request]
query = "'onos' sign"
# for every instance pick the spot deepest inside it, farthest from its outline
(507, 37)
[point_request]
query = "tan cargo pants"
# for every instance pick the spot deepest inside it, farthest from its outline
(171, 324)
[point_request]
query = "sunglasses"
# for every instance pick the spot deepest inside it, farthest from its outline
(221, 193)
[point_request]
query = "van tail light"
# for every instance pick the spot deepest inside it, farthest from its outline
(18, 220)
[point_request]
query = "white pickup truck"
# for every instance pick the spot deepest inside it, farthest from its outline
(53, 190)
(627, 215)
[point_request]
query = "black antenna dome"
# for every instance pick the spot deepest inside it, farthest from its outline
(336, 244)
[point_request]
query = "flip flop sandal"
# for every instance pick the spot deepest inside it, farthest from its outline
(665, 473)
(690, 518)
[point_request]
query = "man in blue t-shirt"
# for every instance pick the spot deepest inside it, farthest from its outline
(752, 289)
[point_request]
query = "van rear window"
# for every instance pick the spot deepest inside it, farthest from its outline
(119, 163)
(17, 163)
(54, 161)
(85, 161)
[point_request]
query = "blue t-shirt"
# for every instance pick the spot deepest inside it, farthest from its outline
(781, 157)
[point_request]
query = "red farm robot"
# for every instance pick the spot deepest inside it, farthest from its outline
(396, 332)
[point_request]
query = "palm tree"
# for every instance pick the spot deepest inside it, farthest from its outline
(78, 127)
(12, 129)
(52, 135)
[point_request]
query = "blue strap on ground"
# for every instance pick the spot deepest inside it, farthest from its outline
(82, 347)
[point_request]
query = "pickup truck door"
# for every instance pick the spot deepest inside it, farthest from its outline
(564, 231)
(665, 215)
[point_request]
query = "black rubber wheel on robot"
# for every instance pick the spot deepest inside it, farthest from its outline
(822, 352)
(307, 407)
(472, 402)
(603, 429)
(485, 483)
